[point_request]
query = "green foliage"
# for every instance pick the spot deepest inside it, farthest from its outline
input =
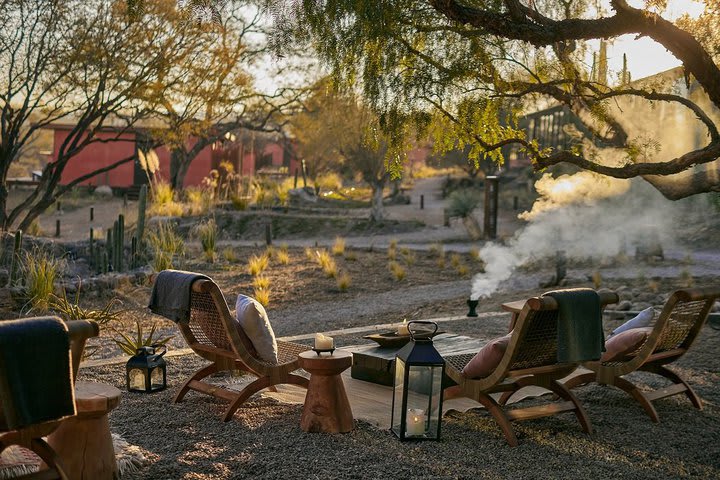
(130, 345)
(461, 203)
(207, 233)
(258, 264)
(40, 270)
(166, 246)
(71, 310)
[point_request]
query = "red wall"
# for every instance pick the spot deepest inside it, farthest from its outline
(98, 155)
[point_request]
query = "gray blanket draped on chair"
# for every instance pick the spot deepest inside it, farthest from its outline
(170, 295)
(579, 329)
(35, 372)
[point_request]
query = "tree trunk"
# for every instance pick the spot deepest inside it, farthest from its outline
(377, 211)
(472, 226)
(179, 164)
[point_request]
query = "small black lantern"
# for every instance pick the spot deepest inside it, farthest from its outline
(418, 389)
(146, 370)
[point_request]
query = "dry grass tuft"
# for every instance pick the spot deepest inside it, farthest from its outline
(397, 270)
(343, 281)
(338, 247)
(257, 264)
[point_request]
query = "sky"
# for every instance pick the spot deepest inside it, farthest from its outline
(645, 57)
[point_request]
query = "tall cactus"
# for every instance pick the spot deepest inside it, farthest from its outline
(15, 261)
(108, 250)
(92, 248)
(142, 205)
(119, 246)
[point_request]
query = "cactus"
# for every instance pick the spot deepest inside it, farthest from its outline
(15, 261)
(104, 259)
(108, 251)
(134, 252)
(119, 245)
(142, 204)
(92, 248)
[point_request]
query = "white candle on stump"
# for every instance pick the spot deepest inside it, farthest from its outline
(323, 342)
(403, 328)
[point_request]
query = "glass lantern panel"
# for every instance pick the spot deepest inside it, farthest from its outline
(423, 400)
(398, 396)
(137, 379)
(156, 378)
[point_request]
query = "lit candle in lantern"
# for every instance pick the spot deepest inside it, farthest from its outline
(403, 328)
(415, 422)
(323, 342)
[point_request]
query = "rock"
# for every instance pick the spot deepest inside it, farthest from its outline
(716, 307)
(625, 294)
(639, 306)
(302, 195)
(624, 305)
(103, 191)
(646, 297)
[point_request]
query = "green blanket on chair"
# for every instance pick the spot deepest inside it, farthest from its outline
(579, 329)
(35, 372)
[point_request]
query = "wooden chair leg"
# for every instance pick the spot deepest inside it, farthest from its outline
(518, 385)
(244, 394)
(200, 374)
(256, 386)
(581, 379)
(630, 388)
(563, 392)
(499, 415)
(48, 455)
(675, 378)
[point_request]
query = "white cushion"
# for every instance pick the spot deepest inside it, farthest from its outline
(252, 318)
(642, 319)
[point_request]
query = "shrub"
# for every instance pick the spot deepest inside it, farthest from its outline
(455, 260)
(166, 245)
(440, 262)
(328, 182)
(408, 256)
(270, 252)
(350, 256)
(282, 257)
(163, 202)
(343, 281)
(462, 203)
(257, 264)
(475, 253)
(131, 345)
(261, 282)
(238, 202)
(199, 200)
(338, 247)
(230, 255)
(284, 247)
(262, 295)
(310, 254)
(71, 310)
(207, 233)
(397, 270)
(596, 279)
(392, 252)
(436, 250)
(34, 229)
(40, 270)
(462, 270)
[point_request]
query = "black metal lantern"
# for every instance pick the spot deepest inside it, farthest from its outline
(418, 389)
(146, 370)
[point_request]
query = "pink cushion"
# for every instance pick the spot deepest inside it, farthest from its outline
(488, 358)
(623, 344)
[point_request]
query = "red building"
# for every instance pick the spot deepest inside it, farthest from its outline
(248, 155)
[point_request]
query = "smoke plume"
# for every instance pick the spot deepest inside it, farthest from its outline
(585, 215)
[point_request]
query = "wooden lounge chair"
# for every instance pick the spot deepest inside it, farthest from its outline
(674, 331)
(31, 436)
(529, 360)
(213, 334)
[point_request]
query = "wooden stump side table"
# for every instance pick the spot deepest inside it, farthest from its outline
(83, 442)
(326, 408)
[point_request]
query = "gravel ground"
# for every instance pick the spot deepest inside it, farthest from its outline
(264, 440)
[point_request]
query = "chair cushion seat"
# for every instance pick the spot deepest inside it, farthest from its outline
(253, 320)
(623, 344)
(488, 358)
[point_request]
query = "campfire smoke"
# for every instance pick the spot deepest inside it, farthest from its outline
(584, 215)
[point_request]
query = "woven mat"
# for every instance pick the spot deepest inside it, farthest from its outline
(16, 461)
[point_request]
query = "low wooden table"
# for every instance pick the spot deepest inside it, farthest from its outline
(83, 442)
(377, 364)
(326, 408)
